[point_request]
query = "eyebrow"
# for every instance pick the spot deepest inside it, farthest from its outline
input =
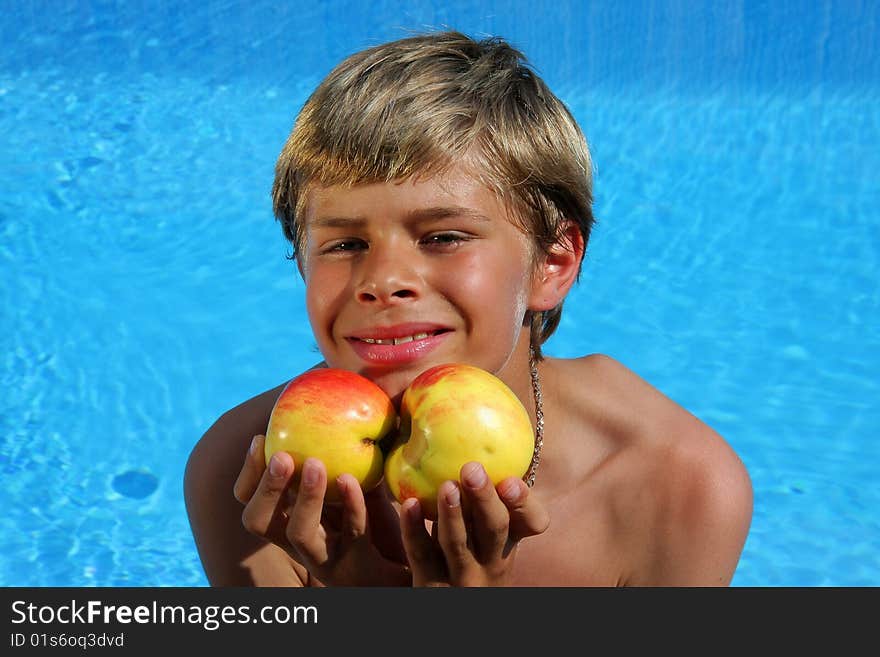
(338, 222)
(415, 216)
(443, 212)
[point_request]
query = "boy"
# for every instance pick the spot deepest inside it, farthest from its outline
(438, 198)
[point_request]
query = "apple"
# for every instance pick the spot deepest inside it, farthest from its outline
(336, 416)
(452, 414)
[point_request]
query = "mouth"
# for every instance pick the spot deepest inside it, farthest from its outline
(397, 345)
(422, 335)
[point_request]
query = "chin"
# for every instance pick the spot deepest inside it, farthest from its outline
(394, 383)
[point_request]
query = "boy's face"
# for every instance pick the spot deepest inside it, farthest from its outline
(403, 276)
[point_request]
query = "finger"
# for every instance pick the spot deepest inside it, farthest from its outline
(263, 514)
(528, 517)
(420, 552)
(251, 472)
(304, 531)
(452, 533)
(489, 516)
(354, 515)
(384, 523)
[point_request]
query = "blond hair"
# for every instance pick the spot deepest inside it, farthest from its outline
(414, 107)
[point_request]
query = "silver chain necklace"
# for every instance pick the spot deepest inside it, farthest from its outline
(539, 420)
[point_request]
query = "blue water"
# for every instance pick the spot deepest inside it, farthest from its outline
(145, 289)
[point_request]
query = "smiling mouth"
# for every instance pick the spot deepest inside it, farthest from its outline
(403, 339)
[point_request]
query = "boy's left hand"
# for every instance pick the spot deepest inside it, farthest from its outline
(478, 527)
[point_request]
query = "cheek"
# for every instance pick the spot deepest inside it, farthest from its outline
(493, 285)
(324, 293)
(464, 278)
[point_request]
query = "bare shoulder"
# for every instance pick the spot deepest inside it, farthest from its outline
(219, 453)
(679, 497)
(623, 398)
(229, 554)
(223, 445)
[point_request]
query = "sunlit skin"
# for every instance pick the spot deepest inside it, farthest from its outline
(438, 254)
(640, 491)
(401, 277)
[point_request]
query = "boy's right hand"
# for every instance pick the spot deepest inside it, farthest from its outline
(335, 543)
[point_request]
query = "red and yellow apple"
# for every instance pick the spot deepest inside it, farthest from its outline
(452, 414)
(336, 416)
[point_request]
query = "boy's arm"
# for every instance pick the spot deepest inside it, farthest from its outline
(704, 512)
(230, 555)
(683, 496)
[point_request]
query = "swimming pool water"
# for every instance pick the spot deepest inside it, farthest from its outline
(145, 288)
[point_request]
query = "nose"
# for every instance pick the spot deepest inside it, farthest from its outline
(387, 278)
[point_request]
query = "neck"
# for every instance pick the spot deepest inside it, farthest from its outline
(521, 373)
(515, 374)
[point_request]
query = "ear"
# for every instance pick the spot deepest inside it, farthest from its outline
(558, 270)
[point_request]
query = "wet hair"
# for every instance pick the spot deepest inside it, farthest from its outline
(414, 107)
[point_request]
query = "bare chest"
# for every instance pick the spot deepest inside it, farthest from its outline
(575, 550)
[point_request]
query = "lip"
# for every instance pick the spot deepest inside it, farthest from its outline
(397, 354)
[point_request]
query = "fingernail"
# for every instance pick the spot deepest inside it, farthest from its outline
(510, 491)
(276, 467)
(253, 447)
(452, 495)
(474, 475)
(310, 473)
(414, 510)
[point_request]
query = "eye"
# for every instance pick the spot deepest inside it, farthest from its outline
(344, 246)
(445, 241)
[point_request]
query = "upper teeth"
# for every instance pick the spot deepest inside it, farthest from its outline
(408, 338)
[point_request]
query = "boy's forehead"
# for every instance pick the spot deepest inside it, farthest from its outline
(454, 188)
